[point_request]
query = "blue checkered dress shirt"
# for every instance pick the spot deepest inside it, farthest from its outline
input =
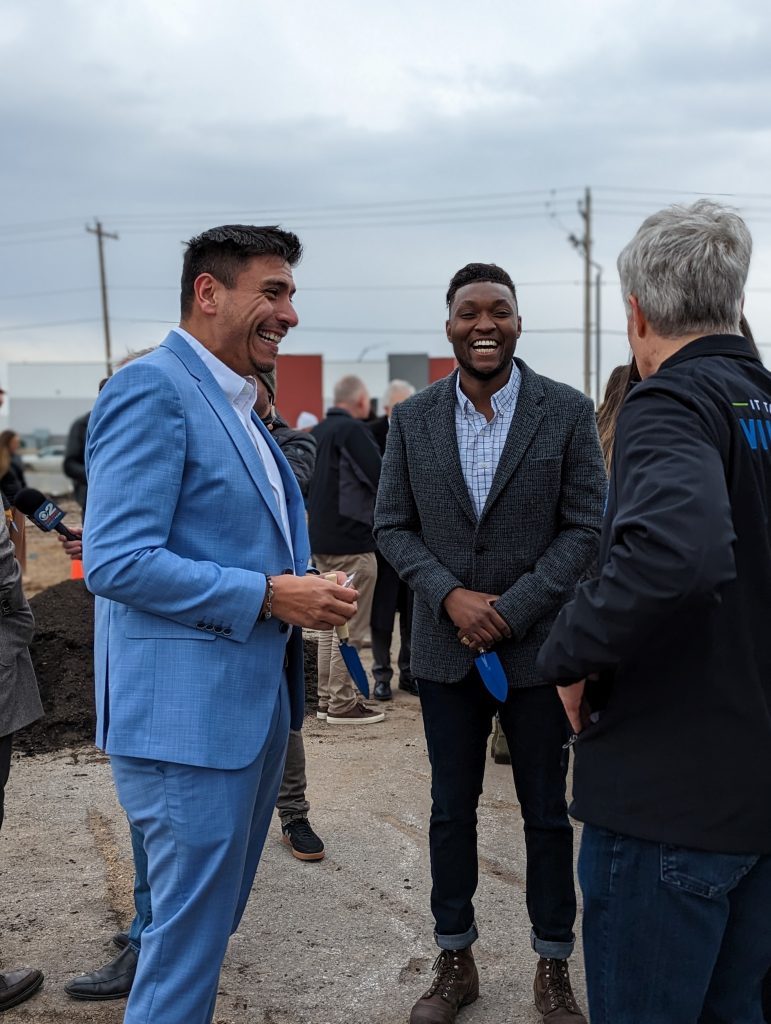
(480, 443)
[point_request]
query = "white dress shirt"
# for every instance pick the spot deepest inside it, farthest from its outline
(241, 392)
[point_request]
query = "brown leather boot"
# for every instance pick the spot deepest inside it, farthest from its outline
(456, 984)
(553, 995)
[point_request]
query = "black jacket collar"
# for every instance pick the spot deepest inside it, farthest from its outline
(712, 345)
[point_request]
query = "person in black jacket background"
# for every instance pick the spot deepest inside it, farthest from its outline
(341, 505)
(673, 757)
(74, 464)
(391, 595)
(299, 450)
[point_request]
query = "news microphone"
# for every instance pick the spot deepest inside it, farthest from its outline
(42, 511)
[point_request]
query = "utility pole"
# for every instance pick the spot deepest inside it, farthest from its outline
(586, 213)
(101, 234)
(598, 331)
(584, 246)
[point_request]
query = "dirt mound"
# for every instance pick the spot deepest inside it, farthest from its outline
(62, 656)
(62, 653)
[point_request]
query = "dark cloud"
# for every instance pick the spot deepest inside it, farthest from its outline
(176, 148)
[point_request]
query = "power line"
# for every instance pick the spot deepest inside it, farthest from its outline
(37, 241)
(681, 191)
(306, 209)
(415, 207)
(303, 288)
(49, 323)
(395, 331)
(390, 223)
(45, 295)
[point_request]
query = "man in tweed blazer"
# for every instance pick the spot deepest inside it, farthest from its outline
(489, 506)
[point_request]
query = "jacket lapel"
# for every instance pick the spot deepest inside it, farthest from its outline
(215, 396)
(442, 431)
(527, 416)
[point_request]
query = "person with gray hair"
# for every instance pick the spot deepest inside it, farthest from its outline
(397, 391)
(663, 660)
(341, 502)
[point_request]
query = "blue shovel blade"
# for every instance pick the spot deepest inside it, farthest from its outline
(355, 667)
(490, 669)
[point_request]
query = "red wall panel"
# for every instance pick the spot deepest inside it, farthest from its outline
(440, 366)
(299, 385)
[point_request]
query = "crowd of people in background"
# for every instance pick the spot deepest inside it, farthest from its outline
(616, 571)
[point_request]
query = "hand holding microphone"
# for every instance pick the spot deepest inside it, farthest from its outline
(73, 548)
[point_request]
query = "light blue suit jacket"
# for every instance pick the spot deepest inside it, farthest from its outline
(182, 526)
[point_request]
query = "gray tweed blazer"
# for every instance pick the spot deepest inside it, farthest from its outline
(537, 535)
(19, 697)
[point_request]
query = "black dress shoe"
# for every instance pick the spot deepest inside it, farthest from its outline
(383, 691)
(16, 986)
(120, 940)
(113, 981)
(409, 686)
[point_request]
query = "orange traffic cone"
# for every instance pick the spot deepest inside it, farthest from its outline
(76, 569)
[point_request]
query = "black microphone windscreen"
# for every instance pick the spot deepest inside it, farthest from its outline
(43, 511)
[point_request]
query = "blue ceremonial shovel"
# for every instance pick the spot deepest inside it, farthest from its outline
(350, 654)
(490, 669)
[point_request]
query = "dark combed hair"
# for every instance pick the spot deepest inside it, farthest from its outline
(224, 252)
(479, 272)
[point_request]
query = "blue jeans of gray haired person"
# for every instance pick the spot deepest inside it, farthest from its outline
(673, 935)
(457, 718)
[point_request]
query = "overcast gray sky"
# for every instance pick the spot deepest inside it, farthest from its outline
(401, 141)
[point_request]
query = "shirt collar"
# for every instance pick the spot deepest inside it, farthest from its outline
(501, 401)
(240, 391)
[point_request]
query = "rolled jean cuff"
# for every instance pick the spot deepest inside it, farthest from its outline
(286, 817)
(462, 941)
(552, 950)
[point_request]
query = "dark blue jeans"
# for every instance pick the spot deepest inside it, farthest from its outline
(457, 718)
(672, 935)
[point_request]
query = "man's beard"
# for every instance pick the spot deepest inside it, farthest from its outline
(483, 375)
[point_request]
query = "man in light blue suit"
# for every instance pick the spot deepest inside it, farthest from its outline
(196, 547)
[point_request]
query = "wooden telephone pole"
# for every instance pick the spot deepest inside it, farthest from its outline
(583, 245)
(585, 210)
(101, 234)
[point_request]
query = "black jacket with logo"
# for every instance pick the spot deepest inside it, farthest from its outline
(678, 623)
(341, 499)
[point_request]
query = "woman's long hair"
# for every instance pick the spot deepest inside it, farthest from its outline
(5, 450)
(620, 380)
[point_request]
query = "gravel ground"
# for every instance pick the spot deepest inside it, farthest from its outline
(347, 940)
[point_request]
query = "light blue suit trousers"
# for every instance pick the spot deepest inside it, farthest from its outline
(201, 868)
